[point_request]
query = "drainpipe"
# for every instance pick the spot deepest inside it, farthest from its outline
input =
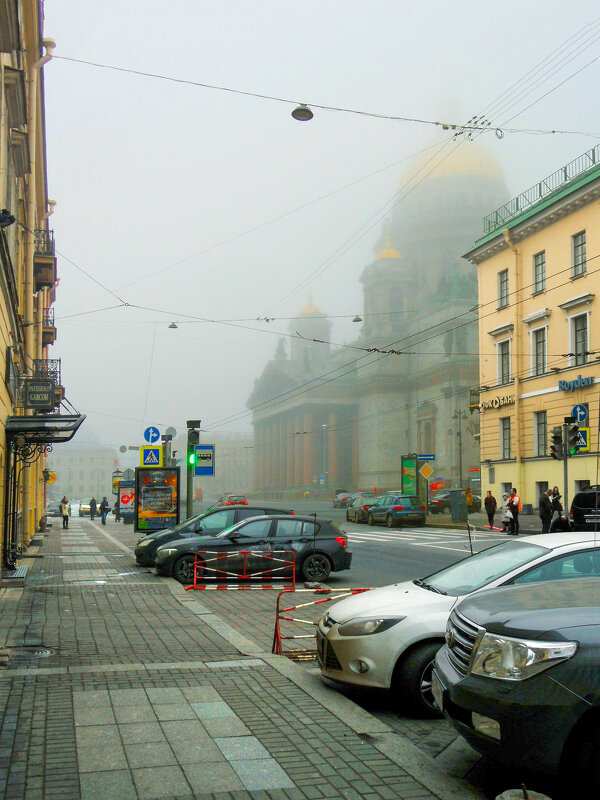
(516, 357)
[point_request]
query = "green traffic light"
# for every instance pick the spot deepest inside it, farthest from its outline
(192, 458)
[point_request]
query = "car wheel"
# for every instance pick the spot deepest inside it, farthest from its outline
(581, 753)
(411, 683)
(370, 520)
(316, 567)
(389, 521)
(183, 569)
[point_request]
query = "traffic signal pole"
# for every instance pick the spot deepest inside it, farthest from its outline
(193, 438)
(565, 428)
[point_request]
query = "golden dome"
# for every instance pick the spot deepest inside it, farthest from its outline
(464, 158)
(310, 308)
(389, 251)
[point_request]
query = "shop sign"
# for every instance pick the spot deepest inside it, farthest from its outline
(578, 383)
(39, 394)
(497, 402)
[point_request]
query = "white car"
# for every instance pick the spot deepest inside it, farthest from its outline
(387, 638)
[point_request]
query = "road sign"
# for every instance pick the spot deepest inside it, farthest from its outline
(151, 435)
(426, 471)
(426, 457)
(51, 477)
(205, 459)
(128, 474)
(583, 440)
(580, 413)
(151, 456)
(123, 448)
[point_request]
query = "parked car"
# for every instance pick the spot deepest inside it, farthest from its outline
(341, 495)
(232, 500)
(387, 638)
(53, 509)
(320, 547)
(440, 503)
(519, 676)
(358, 509)
(585, 509)
(209, 523)
(395, 509)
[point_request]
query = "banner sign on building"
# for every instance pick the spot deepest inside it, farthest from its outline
(156, 498)
(39, 394)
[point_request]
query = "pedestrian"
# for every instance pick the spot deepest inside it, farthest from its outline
(504, 518)
(104, 507)
(490, 507)
(560, 524)
(93, 507)
(546, 510)
(64, 510)
(469, 498)
(556, 504)
(117, 512)
(513, 509)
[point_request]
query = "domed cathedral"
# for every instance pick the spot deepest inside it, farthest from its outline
(420, 298)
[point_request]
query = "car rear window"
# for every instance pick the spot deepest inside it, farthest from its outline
(587, 500)
(236, 497)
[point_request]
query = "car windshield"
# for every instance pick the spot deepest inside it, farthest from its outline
(481, 569)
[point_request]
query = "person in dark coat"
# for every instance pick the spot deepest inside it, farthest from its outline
(104, 509)
(560, 524)
(490, 507)
(546, 510)
(556, 504)
(93, 508)
(514, 502)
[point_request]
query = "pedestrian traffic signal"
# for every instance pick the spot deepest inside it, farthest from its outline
(572, 438)
(556, 448)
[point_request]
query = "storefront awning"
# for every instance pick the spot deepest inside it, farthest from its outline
(43, 428)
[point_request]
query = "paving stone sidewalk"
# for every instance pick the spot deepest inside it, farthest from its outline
(117, 687)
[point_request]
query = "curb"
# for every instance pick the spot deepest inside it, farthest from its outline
(393, 745)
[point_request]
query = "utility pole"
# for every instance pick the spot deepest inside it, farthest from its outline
(193, 438)
(460, 415)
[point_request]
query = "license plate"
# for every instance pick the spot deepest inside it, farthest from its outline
(437, 691)
(320, 648)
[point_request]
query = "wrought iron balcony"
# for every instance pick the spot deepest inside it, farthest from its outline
(553, 183)
(44, 243)
(44, 260)
(47, 368)
(48, 327)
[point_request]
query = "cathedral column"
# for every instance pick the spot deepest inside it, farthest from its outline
(308, 449)
(289, 443)
(261, 455)
(355, 452)
(298, 451)
(268, 458)
(274, 455)
(282, 433)
(332, 450)
(256, 457)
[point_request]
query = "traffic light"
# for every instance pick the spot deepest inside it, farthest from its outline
(193, 439)
(572, 438)
(556, 448)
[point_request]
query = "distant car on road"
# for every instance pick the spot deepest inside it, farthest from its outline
(320, 547)
(396, 509)
(440, 503)
(339, 495)
(53, 509)
(358, 509)
(519, 676)
(209, 523)
(232, 500)
(387, 638)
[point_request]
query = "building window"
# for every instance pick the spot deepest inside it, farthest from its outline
(503, 289)
(580, 339)
(505, 437)
(539, 272)
(503, 351)
(539, 351)
(541, 487)
(579, 254)
(540, 434)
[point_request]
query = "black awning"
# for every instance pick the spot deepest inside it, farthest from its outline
(44, 428)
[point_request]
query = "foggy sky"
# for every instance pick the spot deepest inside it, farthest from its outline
(147, 173)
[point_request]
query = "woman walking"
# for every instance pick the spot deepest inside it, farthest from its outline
(64, 510)
(556, 504)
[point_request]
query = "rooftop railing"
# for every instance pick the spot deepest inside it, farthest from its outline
(557, 180)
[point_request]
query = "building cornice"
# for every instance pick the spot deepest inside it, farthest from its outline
(508, 327)
(575, 302)
(537, 316)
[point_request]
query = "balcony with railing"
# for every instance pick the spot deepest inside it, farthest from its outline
(47, 368)
(44, 260)
(572, 172)
(48, 327)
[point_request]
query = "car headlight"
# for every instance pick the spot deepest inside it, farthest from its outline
(170, 551)
(363, 626)
(144, 542)
(517, 659)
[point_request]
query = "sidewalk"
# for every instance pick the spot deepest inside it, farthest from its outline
(122, 685)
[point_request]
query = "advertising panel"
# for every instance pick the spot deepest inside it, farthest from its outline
(156, 498)
(127, 498)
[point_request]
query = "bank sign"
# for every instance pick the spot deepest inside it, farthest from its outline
(578, 383)
(497, 402)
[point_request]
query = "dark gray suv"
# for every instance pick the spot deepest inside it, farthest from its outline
(585, 510)
(518, 677)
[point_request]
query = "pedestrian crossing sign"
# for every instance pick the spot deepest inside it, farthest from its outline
(151, 456)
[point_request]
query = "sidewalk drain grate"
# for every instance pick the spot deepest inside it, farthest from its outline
(37, 651)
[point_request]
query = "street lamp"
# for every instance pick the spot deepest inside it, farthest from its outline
(302, 113)
(459, 415)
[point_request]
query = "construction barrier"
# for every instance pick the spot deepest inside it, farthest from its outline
(304, 654)
(206, 567)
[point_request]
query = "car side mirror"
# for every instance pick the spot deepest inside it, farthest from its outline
(199, 529)
(234, 537)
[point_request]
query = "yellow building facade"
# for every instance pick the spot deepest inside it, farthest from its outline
(539, 331)
(27, 271)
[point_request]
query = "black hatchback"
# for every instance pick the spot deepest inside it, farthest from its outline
(319, 547)
(209, 523)
(585, 510)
